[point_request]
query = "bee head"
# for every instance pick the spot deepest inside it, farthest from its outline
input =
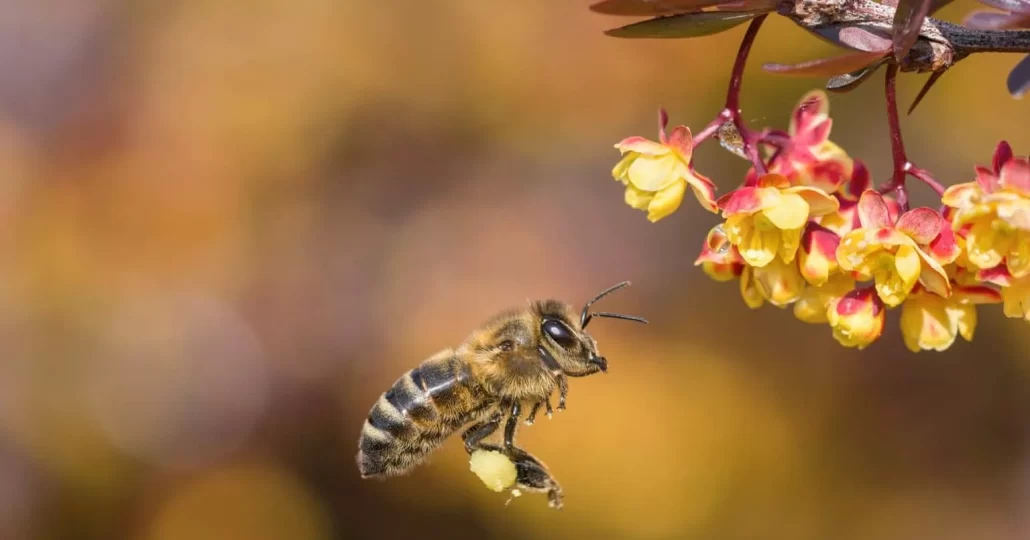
(564, 343)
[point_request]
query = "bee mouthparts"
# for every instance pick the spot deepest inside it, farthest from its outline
(600, 362)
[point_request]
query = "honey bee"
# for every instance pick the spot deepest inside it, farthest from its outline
(518, 357)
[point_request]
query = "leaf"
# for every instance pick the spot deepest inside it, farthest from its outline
(992, 20)
(1015, 6)
(856, 39)
(850, 81)
(837, 65)
(687, 25)
(661, 7)
(1019, 78)
(908, 20)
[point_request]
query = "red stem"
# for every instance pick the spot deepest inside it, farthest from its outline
(731, 110)
(902, 166)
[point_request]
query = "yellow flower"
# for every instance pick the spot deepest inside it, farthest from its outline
(814, 302)
(891, 254)
(656, 174)
(993, 213)
(932, 323)
(718, 258)
(1015, 291)
(779, 282)
(857, 318)
(767, 219)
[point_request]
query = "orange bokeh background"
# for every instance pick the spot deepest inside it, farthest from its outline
(227, 227)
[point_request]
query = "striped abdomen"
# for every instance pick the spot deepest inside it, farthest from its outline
(413, 417)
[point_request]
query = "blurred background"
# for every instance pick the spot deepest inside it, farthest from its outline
(227, 227)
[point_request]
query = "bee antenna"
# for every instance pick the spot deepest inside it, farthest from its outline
(609, 315)
(586, 315)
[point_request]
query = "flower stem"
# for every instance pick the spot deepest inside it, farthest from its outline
(902, 166)
(731, 110)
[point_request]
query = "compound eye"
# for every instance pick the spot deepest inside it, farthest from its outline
(559, 333)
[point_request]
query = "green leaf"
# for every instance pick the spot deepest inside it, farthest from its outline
(687, 25)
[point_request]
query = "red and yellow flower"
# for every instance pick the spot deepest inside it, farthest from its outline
(811, 159)
(857, 318)
(895, 255)
(767, 219)
(720, 259)
(930, 322)
(994, 211)
(656, 174)
(818, 254)
(1015, 291)
(813, 304)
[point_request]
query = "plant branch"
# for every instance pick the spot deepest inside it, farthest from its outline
(902, 166)
(748, 139)
(941, 44)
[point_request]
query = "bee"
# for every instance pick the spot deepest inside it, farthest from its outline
(517, 358)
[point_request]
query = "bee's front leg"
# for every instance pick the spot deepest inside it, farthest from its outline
(563, 391)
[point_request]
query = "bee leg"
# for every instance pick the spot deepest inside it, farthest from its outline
(563, 392)
(532, 476)
(532, 413)
(512, 424)
(547, 406)
(475, 434)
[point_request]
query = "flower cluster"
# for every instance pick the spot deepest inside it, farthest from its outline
(811, 232)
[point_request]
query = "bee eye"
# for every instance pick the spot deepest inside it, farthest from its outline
(559, 333)
(507, 345)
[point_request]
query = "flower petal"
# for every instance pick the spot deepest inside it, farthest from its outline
(927, 325)
(932, 275)
(1015, 176)
(945, 248)
(744, 200)
(704, 191)
(819, 202)
(790, 239)
(681, 140)
(961, 195)
(921, 224)
(642, 146)
(790, 213)
(856, 318)
(1018, 259)
(666, 200)
(986, 179)
(759, 247)
(812, 111)
(773, 180)
(779, 282)
(999, 275)
(976, 294)
(982, 245)
(1002, 154)
(872, 211)
(637, 199)
(748, 291)
(654, 173)
(859, 182)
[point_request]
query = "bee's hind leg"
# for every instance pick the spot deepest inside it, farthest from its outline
(532, 476)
